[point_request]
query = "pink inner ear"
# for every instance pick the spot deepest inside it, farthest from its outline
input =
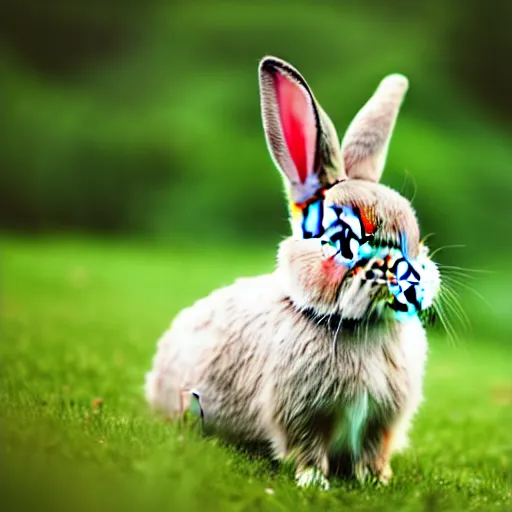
(298, 124)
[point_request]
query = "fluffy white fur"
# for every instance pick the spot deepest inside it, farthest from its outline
(292, 359)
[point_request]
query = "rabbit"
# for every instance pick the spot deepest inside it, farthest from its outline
(323, 359)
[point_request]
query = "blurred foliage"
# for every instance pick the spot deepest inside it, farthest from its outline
(144, 117)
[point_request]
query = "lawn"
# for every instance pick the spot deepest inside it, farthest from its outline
(80, 319)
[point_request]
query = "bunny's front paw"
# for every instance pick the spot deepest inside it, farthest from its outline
(380, 473)
(385, 474)
(312, 477)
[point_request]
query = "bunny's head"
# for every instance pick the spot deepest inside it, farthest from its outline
(356, 250)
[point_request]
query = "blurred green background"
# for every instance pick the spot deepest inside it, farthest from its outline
(134, 178)
(142, 119)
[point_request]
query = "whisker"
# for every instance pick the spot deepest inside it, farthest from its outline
(471, 289)
(457, 273)
(452, 302)
(439, 249)
(322, 318)
(453, 293)
(450, 331)
(367, 323)
(446, 308)
(367, 317)
(335, 338)
(408, 176)
(426, 237)
(474, 270)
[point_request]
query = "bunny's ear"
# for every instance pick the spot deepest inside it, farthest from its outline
(301, 138)
(365, 145)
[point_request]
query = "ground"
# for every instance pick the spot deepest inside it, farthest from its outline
(80, 319)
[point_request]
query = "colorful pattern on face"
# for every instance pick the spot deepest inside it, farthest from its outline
(312, 217)
(346, 234)
(344, 230)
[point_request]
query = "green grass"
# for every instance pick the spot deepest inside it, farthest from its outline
(79, 322)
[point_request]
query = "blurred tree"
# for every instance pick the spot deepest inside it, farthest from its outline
(145, 117)
(60, 40)
(480, 47)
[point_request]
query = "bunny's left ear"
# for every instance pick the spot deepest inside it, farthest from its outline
(301, 138)
(365, 144)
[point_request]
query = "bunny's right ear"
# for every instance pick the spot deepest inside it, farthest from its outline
(301, 138)
(365, 145)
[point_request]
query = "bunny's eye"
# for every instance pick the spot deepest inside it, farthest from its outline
(345, 242)
(312, 215)
(344, 231)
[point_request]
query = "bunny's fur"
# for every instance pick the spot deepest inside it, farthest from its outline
(266, 373)
(291, 358)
